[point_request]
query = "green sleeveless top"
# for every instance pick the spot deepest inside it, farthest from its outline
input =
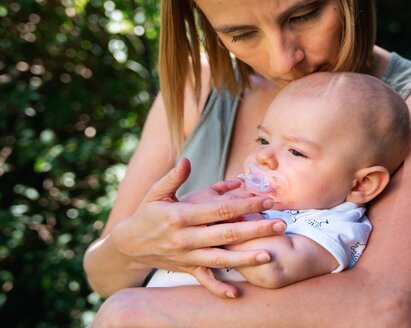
(208, 145)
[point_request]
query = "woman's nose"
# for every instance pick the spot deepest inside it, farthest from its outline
(285, 54)
(266, 157)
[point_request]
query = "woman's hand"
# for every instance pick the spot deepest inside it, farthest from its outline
(180, 236)
(221, 191)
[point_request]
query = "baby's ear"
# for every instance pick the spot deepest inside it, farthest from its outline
(368, 184)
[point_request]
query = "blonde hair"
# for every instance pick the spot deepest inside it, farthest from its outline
(179, 55)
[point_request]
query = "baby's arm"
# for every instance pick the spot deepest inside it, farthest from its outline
(293, 258)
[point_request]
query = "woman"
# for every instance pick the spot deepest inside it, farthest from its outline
(274, 42)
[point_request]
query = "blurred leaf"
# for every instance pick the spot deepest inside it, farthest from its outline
(76, 80)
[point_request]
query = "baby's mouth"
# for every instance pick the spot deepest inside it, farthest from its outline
(261, 181)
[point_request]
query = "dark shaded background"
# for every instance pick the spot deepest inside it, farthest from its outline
(76, 80)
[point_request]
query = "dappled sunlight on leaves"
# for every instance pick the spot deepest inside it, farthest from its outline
(76, 78)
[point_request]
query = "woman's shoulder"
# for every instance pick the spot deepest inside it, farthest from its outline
(394, 70)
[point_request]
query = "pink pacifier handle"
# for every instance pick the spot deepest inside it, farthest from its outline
(261, 180)
(258, 183)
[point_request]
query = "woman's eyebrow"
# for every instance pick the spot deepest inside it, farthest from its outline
(282, 17)
(233, 28)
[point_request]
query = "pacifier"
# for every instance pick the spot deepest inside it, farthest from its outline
(260, 180)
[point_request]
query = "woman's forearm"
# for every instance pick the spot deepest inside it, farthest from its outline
(328, 301)
(377, 291)
(109, 271)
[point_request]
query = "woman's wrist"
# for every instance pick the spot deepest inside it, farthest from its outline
(109, 270)
(129, 262)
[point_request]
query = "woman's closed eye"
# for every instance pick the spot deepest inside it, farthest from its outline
(306, 12)
(243, 36)
(303, 18)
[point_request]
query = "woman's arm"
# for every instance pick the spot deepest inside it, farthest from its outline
(376, 291)
(157, 231)
(107, 270)
(151, 160)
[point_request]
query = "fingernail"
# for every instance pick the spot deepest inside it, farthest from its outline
(229, 295)
(268, 203)
(279, 227)
(263, 258)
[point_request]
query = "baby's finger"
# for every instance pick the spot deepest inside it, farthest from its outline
(206, 277)
(227, 185)
(239, 193)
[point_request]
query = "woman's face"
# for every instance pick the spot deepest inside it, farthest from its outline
(280, 39)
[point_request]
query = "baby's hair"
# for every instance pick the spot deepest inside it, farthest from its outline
(371, 106)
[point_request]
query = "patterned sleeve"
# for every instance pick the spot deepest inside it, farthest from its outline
(344, 235)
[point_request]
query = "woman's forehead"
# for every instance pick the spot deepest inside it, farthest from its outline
(217, 10)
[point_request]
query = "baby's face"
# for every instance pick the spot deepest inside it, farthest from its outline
(308, 151)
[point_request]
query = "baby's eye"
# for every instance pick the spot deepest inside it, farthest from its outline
(262, 141)
(296, 153)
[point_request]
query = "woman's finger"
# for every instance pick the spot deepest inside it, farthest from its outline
(231, 233)
(206, 213)
(206, 277)
(167, 186)
(222, 258)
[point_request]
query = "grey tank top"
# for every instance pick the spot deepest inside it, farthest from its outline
(208, 145)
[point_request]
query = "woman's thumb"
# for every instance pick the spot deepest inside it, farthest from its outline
(166, 187)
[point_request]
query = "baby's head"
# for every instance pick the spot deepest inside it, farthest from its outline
(329, 138)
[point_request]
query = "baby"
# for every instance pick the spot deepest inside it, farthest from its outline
(326, 147)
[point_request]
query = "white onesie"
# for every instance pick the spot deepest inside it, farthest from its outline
(342, 230)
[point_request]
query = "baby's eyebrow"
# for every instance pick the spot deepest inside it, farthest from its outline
(263, 129)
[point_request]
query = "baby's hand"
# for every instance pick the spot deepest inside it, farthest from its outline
(220, 191)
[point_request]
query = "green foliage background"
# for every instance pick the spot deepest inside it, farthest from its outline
(76, 80)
